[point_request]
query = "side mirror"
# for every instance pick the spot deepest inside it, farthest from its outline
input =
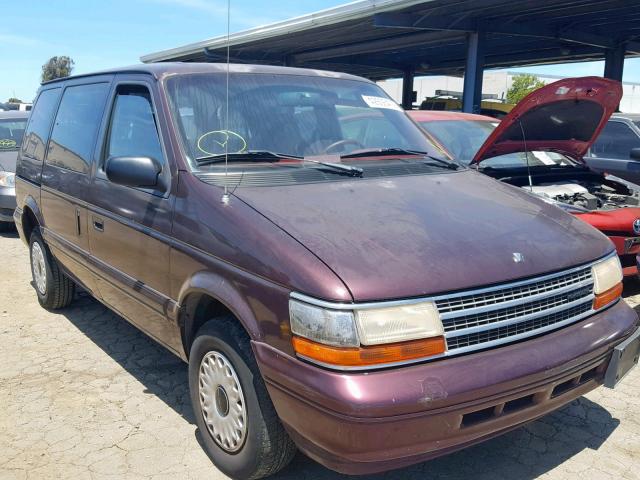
(133, 171)
(635, 154)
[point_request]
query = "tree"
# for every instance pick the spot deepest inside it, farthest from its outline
(14, 100)
(57, 67)
(521, 86)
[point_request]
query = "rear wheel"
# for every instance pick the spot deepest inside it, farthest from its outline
(239, 426)
(54, 289)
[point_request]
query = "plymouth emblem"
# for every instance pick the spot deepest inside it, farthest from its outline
(636, 226)
(518, 257)
(6, 143)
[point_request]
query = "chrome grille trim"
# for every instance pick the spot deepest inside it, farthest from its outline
(518, 319)
(497, 297)
(548, 292)
(520, 336)
(503, 314)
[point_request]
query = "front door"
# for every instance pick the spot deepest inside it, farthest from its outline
(129, 228)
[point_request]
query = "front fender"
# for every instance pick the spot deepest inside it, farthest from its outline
(220, 289)
(259, 304)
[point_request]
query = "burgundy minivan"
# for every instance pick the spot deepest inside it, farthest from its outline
(335, 283)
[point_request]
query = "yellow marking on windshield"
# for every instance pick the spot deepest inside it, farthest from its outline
(225, 135)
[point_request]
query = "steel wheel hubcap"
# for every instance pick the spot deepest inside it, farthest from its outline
(38, 268)
(222, 402)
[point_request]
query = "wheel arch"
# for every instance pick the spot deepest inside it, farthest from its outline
(31, 217)
(207, 295)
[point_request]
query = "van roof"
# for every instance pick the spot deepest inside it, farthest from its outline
(162, 69)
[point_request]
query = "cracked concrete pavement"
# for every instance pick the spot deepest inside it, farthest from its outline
(85, 395)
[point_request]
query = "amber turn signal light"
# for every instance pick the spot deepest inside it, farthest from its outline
(605, 298)
(365, 356)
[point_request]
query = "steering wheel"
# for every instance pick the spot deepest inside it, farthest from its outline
(342, 143)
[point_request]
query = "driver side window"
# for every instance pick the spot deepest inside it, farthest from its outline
(133, 131)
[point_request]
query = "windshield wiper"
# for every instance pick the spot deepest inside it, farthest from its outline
(381, 152)
(272, 157)
(442, 162)
(249, 155)
(401, 151)
(348, 169)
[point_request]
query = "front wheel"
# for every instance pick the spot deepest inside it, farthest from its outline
(239, 426)
(54, 289)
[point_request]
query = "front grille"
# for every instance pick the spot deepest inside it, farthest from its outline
(499, 295)
(496, 315)
(485, 336)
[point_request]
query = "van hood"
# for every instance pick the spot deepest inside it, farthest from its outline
(400, 237)
(564, 117)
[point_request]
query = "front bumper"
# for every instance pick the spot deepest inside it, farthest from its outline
(7, 203)
(359, 423)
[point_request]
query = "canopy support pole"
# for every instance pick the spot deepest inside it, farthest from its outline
(614, 62)
(474, 68)
(407, 88)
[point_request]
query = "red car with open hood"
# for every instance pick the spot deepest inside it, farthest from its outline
(540, 146)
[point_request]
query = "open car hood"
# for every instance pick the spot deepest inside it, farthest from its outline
(564, 116)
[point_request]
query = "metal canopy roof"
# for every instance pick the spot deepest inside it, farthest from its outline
(380, 39)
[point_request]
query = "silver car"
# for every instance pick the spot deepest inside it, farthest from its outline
(12, 126)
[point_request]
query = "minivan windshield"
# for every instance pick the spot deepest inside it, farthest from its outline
(274, 116)
(11, 132)
(463, 138)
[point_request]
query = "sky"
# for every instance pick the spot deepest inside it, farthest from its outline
(113, 33)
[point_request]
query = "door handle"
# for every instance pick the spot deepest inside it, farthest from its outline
(98, 224)
(78, 229)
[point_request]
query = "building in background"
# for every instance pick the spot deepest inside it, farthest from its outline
(22, 107)
(495, 84)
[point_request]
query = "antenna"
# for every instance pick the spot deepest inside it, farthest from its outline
(526, 155)
(225, 195)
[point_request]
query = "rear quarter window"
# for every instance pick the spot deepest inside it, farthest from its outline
(74, 133)
(37, 133)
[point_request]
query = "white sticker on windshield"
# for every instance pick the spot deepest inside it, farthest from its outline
(544, 158)
(381, 102)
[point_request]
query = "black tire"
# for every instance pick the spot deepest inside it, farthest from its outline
(59, 289)
(267, 448)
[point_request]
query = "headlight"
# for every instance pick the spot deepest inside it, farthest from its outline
(398, 324)
(331, 327)
(366, 336)
(607, 282)
(7, 179)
